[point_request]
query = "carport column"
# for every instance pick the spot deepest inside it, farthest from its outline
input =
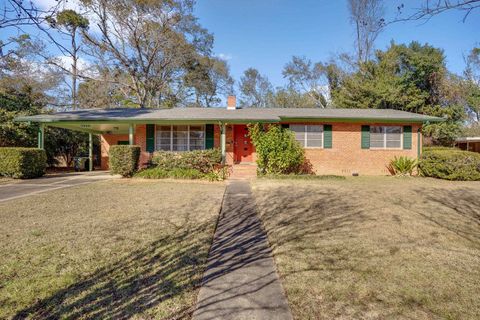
(419, 143)
(130, 134)
(223, 141)
(41, 136)
(90, 152)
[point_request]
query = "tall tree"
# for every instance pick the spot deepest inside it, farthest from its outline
(367, 16)
(70, 24)
(410, 78)
(307, 77)
(472, 85)
(210, 79)
(151, 41)
(256, 90)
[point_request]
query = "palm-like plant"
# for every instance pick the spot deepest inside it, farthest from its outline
(402, 166)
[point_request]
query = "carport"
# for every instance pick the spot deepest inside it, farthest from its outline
(90, 127)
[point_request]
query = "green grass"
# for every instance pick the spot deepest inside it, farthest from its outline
(108, 250)
(375, 247)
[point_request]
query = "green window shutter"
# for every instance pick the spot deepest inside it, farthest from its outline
(285, 125)
(327, 136)
(150, 137)
(407, 137)
(365, 137)
(209, 136)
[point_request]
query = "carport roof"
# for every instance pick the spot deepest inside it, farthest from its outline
(214, 115)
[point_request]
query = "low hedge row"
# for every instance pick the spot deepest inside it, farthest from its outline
(123, 160)
(22, 163)
(218, 174)
(450, 164)
(204, 161)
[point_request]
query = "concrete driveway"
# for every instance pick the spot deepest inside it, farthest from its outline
(22, 188)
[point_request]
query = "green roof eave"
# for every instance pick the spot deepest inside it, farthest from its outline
(140, 121)
(363, 120)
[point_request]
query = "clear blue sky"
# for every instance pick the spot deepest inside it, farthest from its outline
(266, 33)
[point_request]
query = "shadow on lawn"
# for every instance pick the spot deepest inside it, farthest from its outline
(169, 267)
(296, 219)
(456, 210)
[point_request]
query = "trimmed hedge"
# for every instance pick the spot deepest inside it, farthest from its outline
(22, 163)
(204, 161)
(123, 160)
(450, 164)
(177, 173)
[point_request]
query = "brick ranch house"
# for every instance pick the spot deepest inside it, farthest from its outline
(336, 141)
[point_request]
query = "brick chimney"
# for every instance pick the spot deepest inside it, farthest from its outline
(231, 103)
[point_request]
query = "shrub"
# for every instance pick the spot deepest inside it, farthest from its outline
(202, 160)
(450, 164)
(402, 166)
(23, 163)
(277, 150)
(218, 174)
(124, 160)
(177, 173)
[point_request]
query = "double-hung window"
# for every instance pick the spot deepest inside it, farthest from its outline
(180, 138)
(309, 136)
(385, 137)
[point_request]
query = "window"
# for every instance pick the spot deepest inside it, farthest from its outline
(180, 138)
(385, 137)
(309, 136)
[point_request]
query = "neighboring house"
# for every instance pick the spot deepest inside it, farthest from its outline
(336, 141)
(468, 143)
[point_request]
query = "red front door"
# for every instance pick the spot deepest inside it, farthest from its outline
(243, 147)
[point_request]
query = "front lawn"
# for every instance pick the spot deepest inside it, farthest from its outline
(375, 247)
(108, 250)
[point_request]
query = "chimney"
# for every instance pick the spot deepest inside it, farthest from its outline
(231, 103)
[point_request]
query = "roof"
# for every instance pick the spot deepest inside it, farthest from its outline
(468, 139)
(223, 115)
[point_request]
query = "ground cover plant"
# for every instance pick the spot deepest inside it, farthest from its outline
(375, 247)
(122, 249)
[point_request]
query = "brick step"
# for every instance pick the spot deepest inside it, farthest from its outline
(243, 171)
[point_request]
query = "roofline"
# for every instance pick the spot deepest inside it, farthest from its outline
(233, 121)
(468, 139)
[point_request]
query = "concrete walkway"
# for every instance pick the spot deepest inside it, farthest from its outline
(241, 281)
(22, 188)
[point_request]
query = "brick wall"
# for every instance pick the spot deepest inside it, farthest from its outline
(140, 139)
(345, 157)
(229, 141)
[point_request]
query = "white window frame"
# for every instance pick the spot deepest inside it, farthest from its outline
(385, 138)
(188, 136)
(305, 142)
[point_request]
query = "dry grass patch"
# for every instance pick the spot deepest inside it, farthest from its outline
(108, 250)
(376, 248)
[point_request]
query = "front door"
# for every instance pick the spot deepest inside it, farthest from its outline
(243, 147)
